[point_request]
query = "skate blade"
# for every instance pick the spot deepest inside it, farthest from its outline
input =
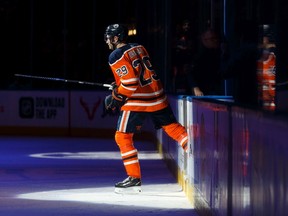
(130, 190)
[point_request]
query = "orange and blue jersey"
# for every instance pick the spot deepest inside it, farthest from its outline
(136, 79)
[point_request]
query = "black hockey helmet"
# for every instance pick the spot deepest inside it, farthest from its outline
(118, 30)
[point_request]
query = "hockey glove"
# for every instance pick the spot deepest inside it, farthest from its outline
(109, 112)
(114, 100)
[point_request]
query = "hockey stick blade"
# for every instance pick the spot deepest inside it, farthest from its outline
(63, 80)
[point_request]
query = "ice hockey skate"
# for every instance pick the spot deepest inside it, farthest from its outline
(129, 185)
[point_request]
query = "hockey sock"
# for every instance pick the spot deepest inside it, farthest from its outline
(177, 132)
(129, 154)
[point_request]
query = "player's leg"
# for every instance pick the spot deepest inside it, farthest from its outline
(129, 153)
(128, 124)
(166, 119)
(130, 160)
(177, 132)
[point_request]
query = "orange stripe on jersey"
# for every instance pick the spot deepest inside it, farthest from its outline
(137, 80)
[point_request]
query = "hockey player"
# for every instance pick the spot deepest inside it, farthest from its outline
(138, 92)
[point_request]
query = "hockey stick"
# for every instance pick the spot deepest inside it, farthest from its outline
(64, 80)
(281, 84)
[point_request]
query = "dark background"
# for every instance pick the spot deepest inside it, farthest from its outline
(64, 38)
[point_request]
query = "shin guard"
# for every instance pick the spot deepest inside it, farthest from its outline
(177, 132)
(129, 154)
